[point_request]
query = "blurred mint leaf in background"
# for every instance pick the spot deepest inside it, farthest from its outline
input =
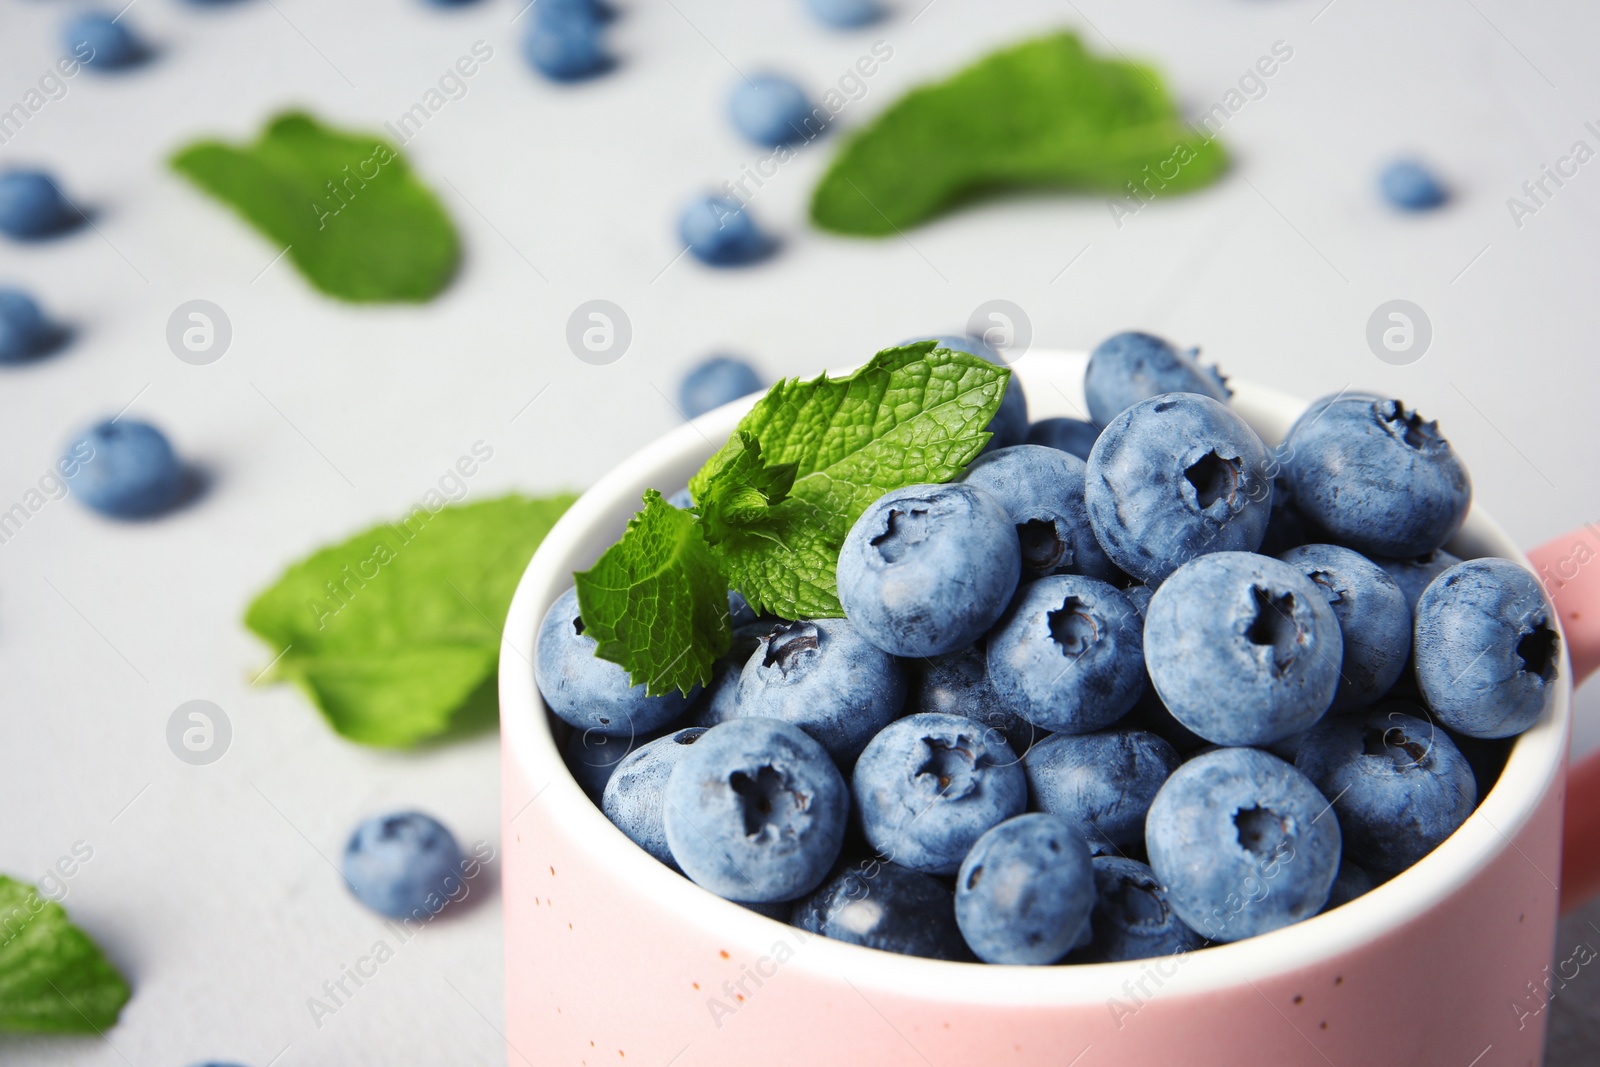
(53, 978)
(395, 633)
(1041, 113)
(358, 224)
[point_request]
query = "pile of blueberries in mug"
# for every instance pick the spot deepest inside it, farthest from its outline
(1125, 688)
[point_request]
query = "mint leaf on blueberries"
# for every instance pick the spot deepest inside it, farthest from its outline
(655, 603)
(394, 634)
(742, 489)
(914, 414)
(1045, 112)
(53, 978)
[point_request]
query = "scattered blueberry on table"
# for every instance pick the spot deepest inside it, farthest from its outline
(403, 865)
(32, 206)
(1410, 186)
(720, 232)
(125, 469)
(772, 111)
(564, 43)
(104, 42)
(717, 381)
(845, 14)
(25, 332)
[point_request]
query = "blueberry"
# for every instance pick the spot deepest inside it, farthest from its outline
(589, 692)
(592, 757)
(32, 206)
(721, 233)
(845, 14)
(104, 42)
(1410, 186)
(957, 683)
(1069, 435)
(1243, 842)
(928, 568)
(755, 810)
(131, 471)
(1487, 651)
(1024, 892)
(403, 865)
(565, 46)
(1041, 490)
(1100, 783)
(635, 795)
(1243, 649)
(826, 678)
(1129, 367)
(1376, 477)
(1286, 527)
(1068, 655)
(1010, 423)
(721, 696)
(717, 381)
(24, 330)
(1353, 881)
(1374, 620)
(880, 905)
(1175, 477)
(1397, 783)
(1132, 917)
(682, 499)
(928, 786)
(772, 111)
(1413, 575)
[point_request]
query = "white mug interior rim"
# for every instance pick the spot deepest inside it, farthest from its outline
(1053, 381)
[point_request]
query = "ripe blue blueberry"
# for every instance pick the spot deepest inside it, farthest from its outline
(131, 471)
(1374, 620)
(1243, 649)
(104, 42)
(1024, 892)
(589, 692)
(1041, 490)
(403, 865)
(1129, 367)
(1175, 477)
(1353, 881)
(1410, 186)
(826, 678)
(1398, 784)
(771, 111)
(565, 46)
(717, 381)
(1010, 423)
(720, 233)
(721, 695)
(1100, 783)
(1132, 917)
(1487, 652)
(592, 758)
(24, 330)
(635, 796)
(1068, 655)
(1286, 527)
(682, 499)
(928, 568)
(845, 14)
(1243, 842)
(928, 786)
(31, 206)
(755, 810)
(1069, 435)
(1376, 477)
(884, 906)
(957, 683)
(1413, 575)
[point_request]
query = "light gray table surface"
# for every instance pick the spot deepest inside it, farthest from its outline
(211, 887)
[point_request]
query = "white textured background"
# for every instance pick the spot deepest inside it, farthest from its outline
(210, 886)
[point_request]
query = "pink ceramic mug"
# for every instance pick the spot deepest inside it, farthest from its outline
(611, 957)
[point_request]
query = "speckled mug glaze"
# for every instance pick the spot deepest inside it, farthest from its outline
(611, 957)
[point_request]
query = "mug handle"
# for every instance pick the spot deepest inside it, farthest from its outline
(1569, 569)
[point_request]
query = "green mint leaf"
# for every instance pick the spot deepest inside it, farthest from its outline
(913, 414)
(742, 489)
(53, 978)
(1041, 113)
(655, 602)
(394, 634)
(357, 222)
